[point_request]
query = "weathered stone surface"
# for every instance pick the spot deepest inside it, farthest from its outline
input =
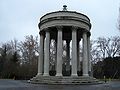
(64, 80)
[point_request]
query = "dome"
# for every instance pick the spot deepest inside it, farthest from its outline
(64, 18)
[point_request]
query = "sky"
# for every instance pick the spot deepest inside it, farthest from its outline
(19, 18)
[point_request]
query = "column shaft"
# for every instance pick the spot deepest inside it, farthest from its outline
(41, 55)
(74, 51)
(89, 55)
(68, 55)
(55, 55)
(47, 54)
(59, 52)
(78, 57)
(85, 55)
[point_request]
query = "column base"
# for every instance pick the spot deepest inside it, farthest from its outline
(74, 75)
(59, 74)
(46, 74)
(39, 74)
(86, 75)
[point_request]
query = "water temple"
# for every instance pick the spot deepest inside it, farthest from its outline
(73, 28)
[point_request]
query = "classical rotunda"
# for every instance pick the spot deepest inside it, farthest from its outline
(73, 28)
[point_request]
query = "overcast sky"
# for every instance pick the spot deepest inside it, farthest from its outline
(19, 18)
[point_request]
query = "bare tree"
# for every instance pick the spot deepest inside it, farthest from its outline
(108, 47)
(95, 53)
(101, 46)
(115, 46)
(29, 49)
(29, 56)
(10, 47)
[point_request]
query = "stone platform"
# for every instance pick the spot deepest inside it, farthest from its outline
(23, 85)
(63, 80)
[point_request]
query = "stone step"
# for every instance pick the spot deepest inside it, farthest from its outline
(51, 79)
(63, 80)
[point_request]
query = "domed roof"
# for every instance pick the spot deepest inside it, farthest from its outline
(64, 17)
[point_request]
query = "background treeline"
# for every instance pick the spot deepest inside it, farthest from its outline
(109, 67)
(105, 56)
(18, 59)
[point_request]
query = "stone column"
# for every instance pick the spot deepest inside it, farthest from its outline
(59, 51)
(74, 51)
(55, 54)
(47, 54)
(41, 55)
(85, 55)
(68, 55)
(89, 56)
(78, 57)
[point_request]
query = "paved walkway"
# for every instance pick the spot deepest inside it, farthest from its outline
(23, 85)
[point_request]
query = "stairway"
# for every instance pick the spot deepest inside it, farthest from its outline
(64, 80)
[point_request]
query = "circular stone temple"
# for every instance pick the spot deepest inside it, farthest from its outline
(72, 29)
